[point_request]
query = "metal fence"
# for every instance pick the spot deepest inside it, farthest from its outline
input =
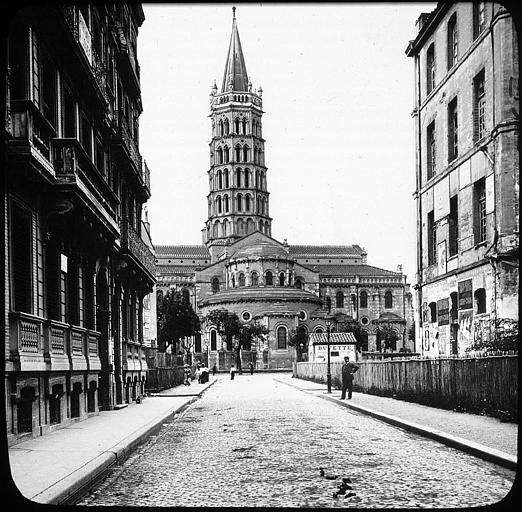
(164, 378)
(485, 384)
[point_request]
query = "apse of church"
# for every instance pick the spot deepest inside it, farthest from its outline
(242, 269)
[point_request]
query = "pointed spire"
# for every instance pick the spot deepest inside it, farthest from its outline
(235, 77)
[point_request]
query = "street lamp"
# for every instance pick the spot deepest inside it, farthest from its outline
(328, 322)
(208, 355)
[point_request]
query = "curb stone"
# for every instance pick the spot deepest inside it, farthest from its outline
(479, 450)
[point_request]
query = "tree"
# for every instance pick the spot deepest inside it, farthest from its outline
(352, 326)
(504, 337)
(176, 320)
(299, 340)
(230, 327)
(388, 336)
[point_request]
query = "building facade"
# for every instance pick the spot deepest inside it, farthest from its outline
(242, 269)
(77, 269)
(467, 187)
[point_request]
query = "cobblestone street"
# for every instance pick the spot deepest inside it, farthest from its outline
(256, 442)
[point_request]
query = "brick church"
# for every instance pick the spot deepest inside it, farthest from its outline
(241, 268)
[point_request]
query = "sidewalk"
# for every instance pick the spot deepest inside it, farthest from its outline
(54, 467)
(481, 436)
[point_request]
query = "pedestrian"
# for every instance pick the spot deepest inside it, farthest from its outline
(197, 373)
(251, 366)
(186, 371)
(232, 372)
(347, 377)
(214, 370)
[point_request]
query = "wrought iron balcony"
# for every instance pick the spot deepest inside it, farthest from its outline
(132, 243)
(127, 56)
(146, 176)
(123, 137)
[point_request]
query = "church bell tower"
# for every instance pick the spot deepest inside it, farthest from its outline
(238, 196)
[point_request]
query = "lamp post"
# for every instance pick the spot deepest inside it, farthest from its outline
(328, 322)
(208, 355)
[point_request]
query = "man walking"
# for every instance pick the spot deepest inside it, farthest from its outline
(347, 377)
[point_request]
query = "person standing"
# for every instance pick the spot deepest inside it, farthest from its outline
(186, 371)
(251, 366)
(347, 377)
(214, 370)
(232, 372)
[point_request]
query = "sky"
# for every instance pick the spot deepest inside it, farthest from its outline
(338, 92)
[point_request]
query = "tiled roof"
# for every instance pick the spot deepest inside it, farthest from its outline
(182, 251)
(325, 250)
(335, 337)
(187, 270)
(351, 270)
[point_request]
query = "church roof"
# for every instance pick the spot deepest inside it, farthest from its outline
(325, 250)
(186, 251)
(336, 338)
(235, 68)
(262, 248)
(351, 270)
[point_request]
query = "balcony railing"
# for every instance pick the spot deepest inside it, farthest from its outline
(123, 137)
(146, 175)
(126, 51)
(132, 242)
(29, 124)
(40, 344)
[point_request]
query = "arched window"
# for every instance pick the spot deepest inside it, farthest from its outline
(226, 155)
(226, 127)
(247, 203)
(250, 225)
(244, 127)
(254, 279)
(225, 203)
(220, 179)
(281, 337)
(269, 278)
(241, 279)
(281, 279)
(225, 230)
(388, 300)
(328, 303)
(215, 229)
(233, 281)
(213, 340)
(339, 299)
(364, 340)
(258, 205)
(238, 177)
(221, 128)
(238, 153)
(480, 300)
(215, 285)
(239, 202)
(261, 226)
(186, 295)
(363, 300)
(433, 312)
(263, 206)
(298, 282)
(247, 178)
(245, 153)
(257, 178)
(319, 330)
(240, 226)
(237, 124)
(225, 174)
(218, 202)
(220, 155)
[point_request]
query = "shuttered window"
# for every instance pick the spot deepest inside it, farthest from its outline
(21, 259)
(479, 107)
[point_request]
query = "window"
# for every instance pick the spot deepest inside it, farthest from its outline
(454, 310)
(197, 342)
(238, 177)
(68, 113)
(239, 202)
(363, 300)
(388, 300)
(433, 312)
(245, 155)
(453, 148)
(220, 127)
(226, 129)
(454, 225)
(247, 178)
(215, 285)
(479, 107)
(430, 145)
(453, 44)
(479, 18)
(49, 95)
(241, 279)
(254, 279)
(220, 155)
(269, 278)
(432, 239)
(218, 202)
(220, 179)
(238, 154)
(480, 210)
(281, 279)
(244, 127)
(225, 174)
(281, 337)
(247, 203)
(328, 303)
(237, 124)
(480, 300)
(225, 202)
(86, 135)
(430, 68)
(298, 283)
(21, 250)
(339, 300)
(226, 154)
(213, 340)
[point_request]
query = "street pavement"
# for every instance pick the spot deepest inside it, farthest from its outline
(259, 441)
(52, 468)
